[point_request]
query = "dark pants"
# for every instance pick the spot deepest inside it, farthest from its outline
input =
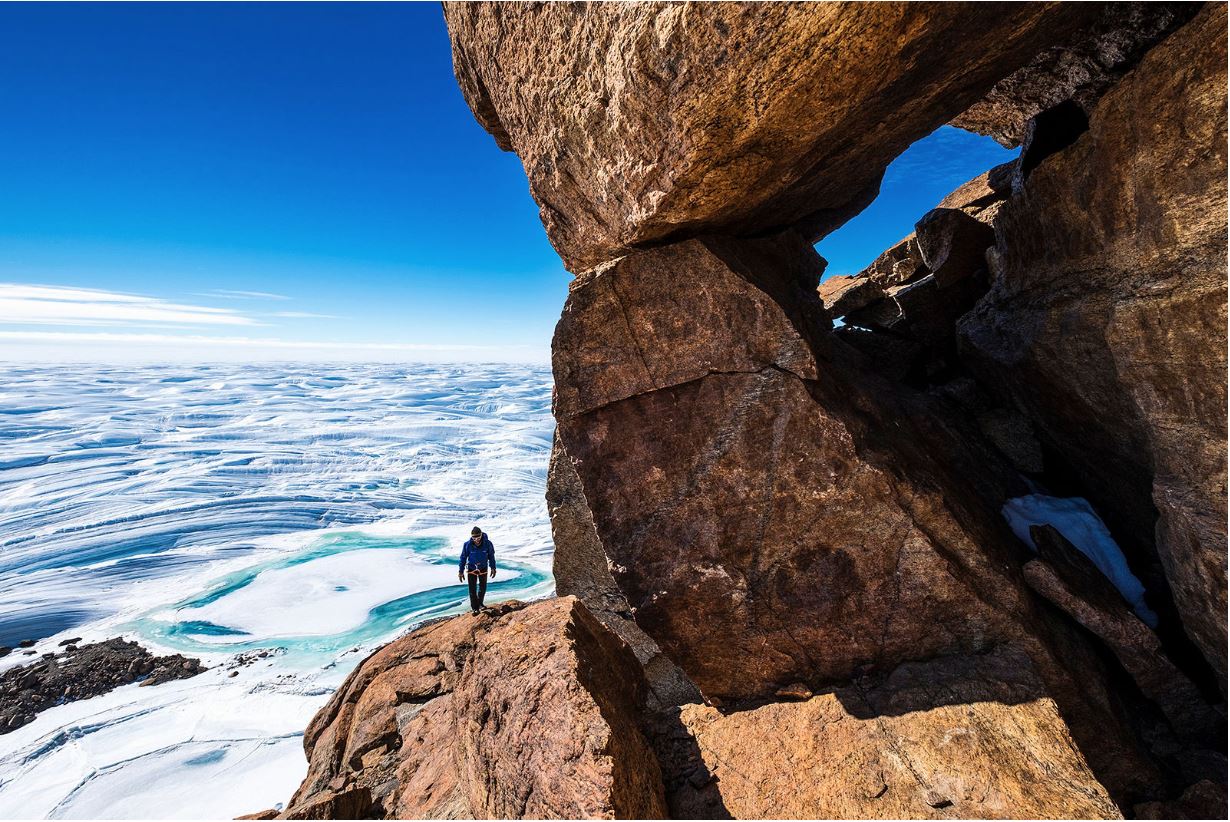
(478, 588)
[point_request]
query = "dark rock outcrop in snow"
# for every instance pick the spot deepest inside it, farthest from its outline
(80, 672)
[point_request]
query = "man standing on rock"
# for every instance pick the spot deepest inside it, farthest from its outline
(477, 554)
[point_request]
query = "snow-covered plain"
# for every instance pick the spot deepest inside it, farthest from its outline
(217, 511)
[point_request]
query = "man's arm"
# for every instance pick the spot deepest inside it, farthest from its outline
(461, 566)
(491, 556)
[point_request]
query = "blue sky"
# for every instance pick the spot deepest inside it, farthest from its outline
(289, 181)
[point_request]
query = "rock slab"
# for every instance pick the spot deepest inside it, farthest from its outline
(969, 737)
(642, 123)
(522, 711)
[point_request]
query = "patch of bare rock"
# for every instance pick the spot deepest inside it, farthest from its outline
(524, 711)
(80, 672)
(540, 711)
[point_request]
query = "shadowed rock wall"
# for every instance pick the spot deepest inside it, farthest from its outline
(1106, 318)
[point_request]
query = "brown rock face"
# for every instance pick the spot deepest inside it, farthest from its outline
(898, 265)
(639, 123)
(1106, 320)
(527, 711)
(735, 487)
(953, 244)
(581, 570)
(843, 294)
(969, 737)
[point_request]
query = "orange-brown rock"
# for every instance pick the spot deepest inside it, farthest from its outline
(1081, 70)
(956, 235)
(821, 550)
(523, 711)
(743, 488)
(1106, 322)
(1071, 581)
(971, 737)
(581, 569)
(977, 195)
(953, 244)
(639, 123)
(843, 294)
(735, 487)
(900, 264)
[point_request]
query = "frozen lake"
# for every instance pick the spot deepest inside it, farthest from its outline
(314, 512)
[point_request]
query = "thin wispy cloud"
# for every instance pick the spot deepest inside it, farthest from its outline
(305, 315)
(243, 342)
(22, 304)
(231, 294)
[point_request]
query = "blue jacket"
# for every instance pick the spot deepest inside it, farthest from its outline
(477, 557)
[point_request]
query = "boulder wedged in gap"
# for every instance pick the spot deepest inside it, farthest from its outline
(903, 262)
(581, 569)
(953, 244)
(904, 306)
(898, 265)
(523, 711)
(844, 293)
(1071, 581)
(964, 737)
(1106, 320)
(976, 196)
(658, 120)
(1081, 70)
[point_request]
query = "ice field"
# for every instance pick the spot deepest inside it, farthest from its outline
(313, 512)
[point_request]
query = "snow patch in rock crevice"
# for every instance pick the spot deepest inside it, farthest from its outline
(1075, 518)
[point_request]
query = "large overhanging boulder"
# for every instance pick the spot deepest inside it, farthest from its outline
(642, 122)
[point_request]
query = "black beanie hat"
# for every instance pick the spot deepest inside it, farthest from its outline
(476, 531)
